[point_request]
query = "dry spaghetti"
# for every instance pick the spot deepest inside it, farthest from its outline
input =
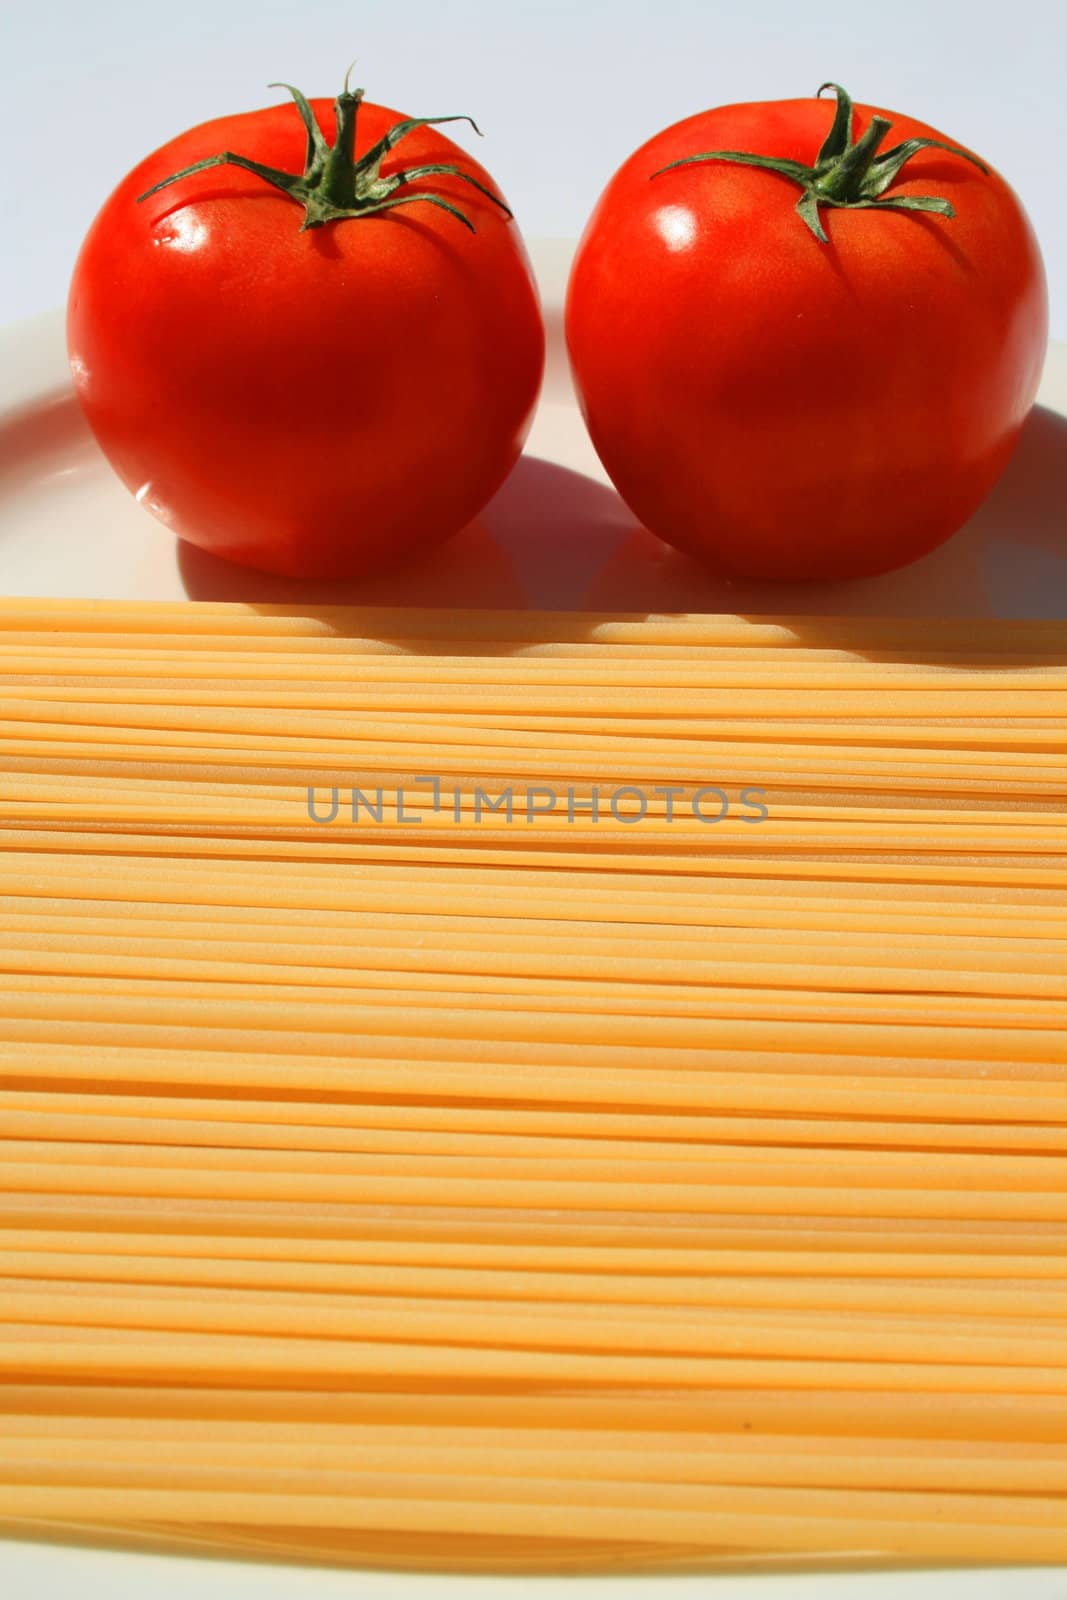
(534, 1188)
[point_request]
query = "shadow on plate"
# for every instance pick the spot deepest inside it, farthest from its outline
(537, 545)
(470, 570)
(44, 442)
(1010, 560)
(555, 539)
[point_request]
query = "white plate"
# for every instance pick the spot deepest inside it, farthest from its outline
(556, 535)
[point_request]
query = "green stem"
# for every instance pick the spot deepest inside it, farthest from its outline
(847, 174)
(339, 175)
(334, 185)
(844, 180)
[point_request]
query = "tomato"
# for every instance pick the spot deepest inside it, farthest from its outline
(317, 391)
(815, 369)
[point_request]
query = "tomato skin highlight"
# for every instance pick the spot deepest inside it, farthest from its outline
(318, 403)
(788, 410)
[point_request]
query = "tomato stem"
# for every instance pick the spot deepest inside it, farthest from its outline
(334, 186)
(339, 178)
(847, 175)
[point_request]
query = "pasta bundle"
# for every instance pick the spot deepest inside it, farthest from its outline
(537, 1092)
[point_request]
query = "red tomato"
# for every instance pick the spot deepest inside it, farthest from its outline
(312, 401)
(789, 407)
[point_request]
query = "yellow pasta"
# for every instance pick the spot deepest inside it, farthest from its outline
(428, 1179)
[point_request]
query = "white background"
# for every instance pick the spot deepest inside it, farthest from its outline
(564, 90)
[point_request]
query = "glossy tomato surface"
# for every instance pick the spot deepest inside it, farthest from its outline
(313, 403)
(786, 409)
